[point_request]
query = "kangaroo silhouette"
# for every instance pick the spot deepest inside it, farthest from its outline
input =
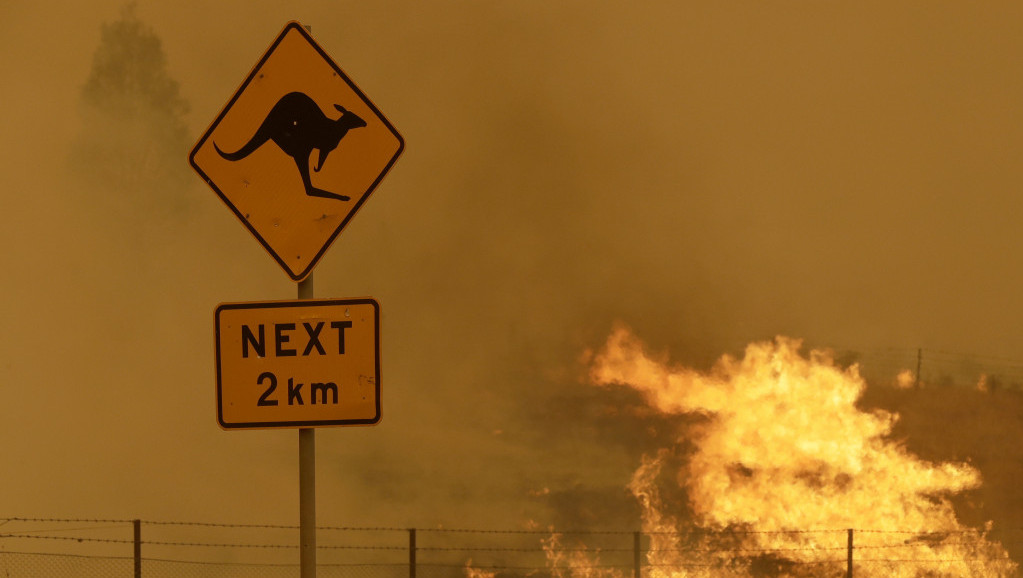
(298, 126)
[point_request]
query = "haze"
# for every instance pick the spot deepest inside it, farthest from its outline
(710, 173)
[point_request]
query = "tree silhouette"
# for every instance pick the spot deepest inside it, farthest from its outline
(130, 152)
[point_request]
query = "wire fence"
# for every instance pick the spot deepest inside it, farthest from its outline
(921, 367)
(109, 548)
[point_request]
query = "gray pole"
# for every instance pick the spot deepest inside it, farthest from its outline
(307, 477)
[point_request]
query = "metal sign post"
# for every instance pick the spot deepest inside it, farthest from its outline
(307, 500)
(294, 154)
(307, 478)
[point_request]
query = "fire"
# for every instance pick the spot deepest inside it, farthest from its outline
(578, 563)
(473, 572)
(786, 471)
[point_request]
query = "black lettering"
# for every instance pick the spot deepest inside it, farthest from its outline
(341, 326)
(323, 388)
(279, 329)
(258, 344)
(294, 392)
(314, 338)
(266, 375)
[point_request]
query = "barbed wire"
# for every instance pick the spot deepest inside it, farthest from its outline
(486, 567)
(924, 560)
(712, 564)
(744, 550)
(67, 555)
(892, 360)
(551, 531)
(520, 550)
(528, 569)
(70, 520)
(528, 532)
(471, 549)
(224, 525)
(74, 529)
(737, 531)
(70, 538)
(930, 532)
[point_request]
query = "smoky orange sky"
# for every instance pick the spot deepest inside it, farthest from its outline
(710, 173)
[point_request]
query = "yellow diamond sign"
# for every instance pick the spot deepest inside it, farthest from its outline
(296, 151)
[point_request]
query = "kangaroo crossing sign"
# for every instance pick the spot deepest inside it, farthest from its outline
(304, 363)
(296, 151)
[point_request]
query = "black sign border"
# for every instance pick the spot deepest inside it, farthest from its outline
(296, 275)
(296, 303)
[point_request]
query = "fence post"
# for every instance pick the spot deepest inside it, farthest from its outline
(137, 526)
(920, 358)
(849, 557)
(411, 553)
(636, 555)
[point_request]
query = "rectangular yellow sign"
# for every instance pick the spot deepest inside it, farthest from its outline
(302, 363)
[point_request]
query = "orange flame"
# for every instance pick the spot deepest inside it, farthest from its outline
(784, 464)
(565, 563)
(473, 572)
